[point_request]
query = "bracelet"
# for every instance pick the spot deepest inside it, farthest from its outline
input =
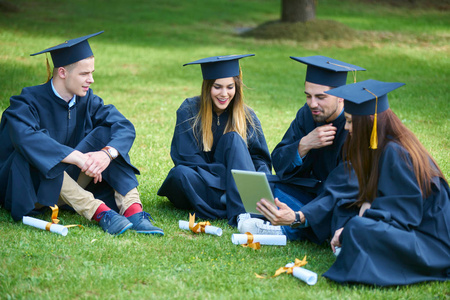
(107, 153)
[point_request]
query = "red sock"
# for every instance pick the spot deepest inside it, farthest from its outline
(103, 207)
(134, 208)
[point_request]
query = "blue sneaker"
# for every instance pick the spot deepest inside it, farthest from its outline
(142, 224)
(113, 223)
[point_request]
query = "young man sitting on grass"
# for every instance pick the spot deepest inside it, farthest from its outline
(61, 144)
(308, 153)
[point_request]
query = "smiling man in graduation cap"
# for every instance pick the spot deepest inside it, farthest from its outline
(310, 149)
(61, 144)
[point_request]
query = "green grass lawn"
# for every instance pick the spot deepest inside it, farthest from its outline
(139, 69)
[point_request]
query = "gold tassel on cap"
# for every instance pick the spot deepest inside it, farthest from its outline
(49, 73)
(354, 76)
(374, 136)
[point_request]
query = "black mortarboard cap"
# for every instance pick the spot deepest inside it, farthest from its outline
(368, 97)
(326, 71)
(360, 98)
(216, 67)
(70, 51)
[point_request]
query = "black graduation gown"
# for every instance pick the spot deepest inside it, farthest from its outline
(403, 238)
(199, 179)
(38, 130)
(318, 163)
(340, 185)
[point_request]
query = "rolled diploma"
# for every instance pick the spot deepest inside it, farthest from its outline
(277, 240)
(208, 229)
(303, 274)
(59, 229)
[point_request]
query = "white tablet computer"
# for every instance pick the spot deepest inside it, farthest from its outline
(252, 187)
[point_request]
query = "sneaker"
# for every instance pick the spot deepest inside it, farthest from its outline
(258, 226)
(241, 218)
(142, 224)
(267, 228)
(113, 223)
(249, 225)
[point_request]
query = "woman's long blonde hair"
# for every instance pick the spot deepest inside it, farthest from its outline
(239, 114)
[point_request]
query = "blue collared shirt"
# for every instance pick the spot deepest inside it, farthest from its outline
(71, 102)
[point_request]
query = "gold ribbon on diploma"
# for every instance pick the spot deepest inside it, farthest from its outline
(250, 244)
(47, 226)
(199, 227)
(55, 211)
(55, 220)
(288, 270)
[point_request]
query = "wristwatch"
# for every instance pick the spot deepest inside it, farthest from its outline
(112, 152)
(297, 222)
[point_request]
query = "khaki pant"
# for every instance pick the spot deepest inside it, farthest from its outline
(84, 203)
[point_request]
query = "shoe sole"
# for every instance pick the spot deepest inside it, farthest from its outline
(125, 229)
(151, 232)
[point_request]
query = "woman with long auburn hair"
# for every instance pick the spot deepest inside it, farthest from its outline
(214, 133)
(397, 231)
